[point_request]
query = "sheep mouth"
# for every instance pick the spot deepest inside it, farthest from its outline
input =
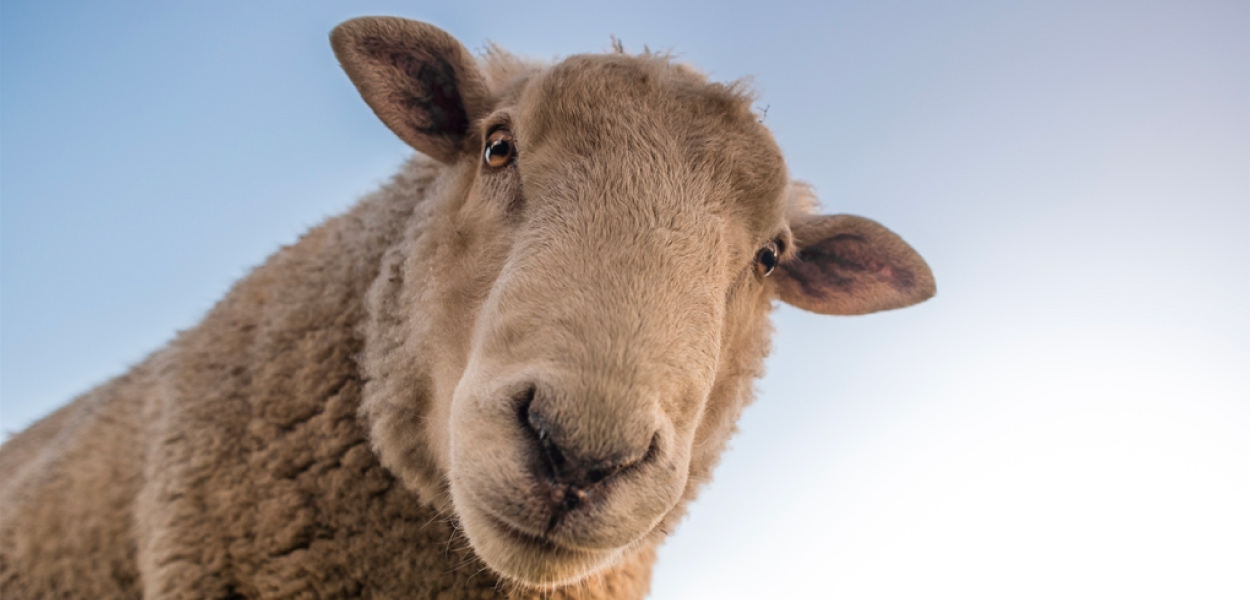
(532, 560)
(539, 542)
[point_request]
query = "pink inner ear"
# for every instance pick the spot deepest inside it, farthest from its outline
(842, 259)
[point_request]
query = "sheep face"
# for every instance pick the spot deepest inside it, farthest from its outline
(592, 295)
(598, 345)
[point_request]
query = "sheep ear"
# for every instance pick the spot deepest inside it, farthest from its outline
(848, 265)
(422, 83)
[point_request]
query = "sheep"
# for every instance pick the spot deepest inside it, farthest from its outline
(506, 373)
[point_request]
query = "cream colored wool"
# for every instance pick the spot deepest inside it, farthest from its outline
(487, 379)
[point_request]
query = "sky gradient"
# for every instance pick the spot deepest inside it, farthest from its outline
(1069, 417)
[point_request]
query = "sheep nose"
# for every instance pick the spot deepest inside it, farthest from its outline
(570, 473)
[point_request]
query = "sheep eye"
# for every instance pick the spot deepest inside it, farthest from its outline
(500, 149)
(766, 259)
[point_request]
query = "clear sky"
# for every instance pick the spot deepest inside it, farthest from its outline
(1069, 417)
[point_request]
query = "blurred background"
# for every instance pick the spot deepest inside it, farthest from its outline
(1069, 417)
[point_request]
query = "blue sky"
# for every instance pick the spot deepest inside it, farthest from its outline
(1069, 417)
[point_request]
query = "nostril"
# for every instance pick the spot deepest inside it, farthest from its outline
(597, 474)
(540, 433)
(597, 471)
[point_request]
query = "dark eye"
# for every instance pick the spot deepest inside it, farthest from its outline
(500, 149)
(766, 258)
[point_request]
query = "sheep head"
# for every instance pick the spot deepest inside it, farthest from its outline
(559, 350)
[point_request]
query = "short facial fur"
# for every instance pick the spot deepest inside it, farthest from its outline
(561, 353)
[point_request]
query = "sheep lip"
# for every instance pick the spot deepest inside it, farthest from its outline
(542, 542)
(509, 530)
(528, 539)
